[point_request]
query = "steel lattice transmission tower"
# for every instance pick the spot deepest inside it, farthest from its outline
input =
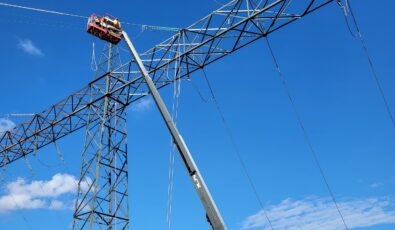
(100, 106)
(102, 201)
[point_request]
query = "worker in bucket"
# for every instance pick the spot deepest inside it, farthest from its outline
(117, 24)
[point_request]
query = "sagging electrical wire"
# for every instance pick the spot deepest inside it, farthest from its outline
(144, 26)
(63, 162)
(58, 153)
(38, 159)
(196, 88)
(30, 167)
(47, 165)
(305, 134)
(34, 178)
(236, 149)
(358, 34)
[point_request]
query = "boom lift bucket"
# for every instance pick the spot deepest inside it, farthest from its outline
(105, 28)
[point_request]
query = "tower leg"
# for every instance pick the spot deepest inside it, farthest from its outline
(102, 201)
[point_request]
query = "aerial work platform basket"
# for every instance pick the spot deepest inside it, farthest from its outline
(105, 28)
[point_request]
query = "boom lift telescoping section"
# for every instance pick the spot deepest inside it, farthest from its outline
(212, 213)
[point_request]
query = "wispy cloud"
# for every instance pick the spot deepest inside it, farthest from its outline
(143, 105)
(28, 46)
(376, 185)
(6, 125)
(320, 213)
(56, 193)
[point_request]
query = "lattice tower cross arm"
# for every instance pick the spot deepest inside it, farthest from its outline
(212, 211)
(224, 31)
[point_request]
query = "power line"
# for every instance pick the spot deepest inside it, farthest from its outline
(375, 76)
(236, 149)
(41, 10)
(34, 178)
(143, 26)
(199, 93)
(305, 134)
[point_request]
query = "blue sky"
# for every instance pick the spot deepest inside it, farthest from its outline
(44, 58)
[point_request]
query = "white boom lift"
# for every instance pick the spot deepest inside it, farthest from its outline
(110, 30)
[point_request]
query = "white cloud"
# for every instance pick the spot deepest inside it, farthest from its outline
(6, 125)
(58, 185)
(20, 194)
(320, 213)
(28, 46)
(142, 104)
(57, 205)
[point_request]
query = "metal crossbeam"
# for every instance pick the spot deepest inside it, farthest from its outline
(220, 33)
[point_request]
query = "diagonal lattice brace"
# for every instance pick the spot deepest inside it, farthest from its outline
(224, 31)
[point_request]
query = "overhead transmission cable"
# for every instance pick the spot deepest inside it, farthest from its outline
(305, 134)
(143, 26)
(60, 156)
(34, 178)
(62, 159)
(300, 122)
(199, 93)
(359, 35)
(232, 138)
(236, 149)
(41, 10)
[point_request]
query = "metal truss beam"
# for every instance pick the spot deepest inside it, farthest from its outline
(224, 31)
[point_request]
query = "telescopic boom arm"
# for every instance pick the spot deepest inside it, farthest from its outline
(214, 216)
(224, 31)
